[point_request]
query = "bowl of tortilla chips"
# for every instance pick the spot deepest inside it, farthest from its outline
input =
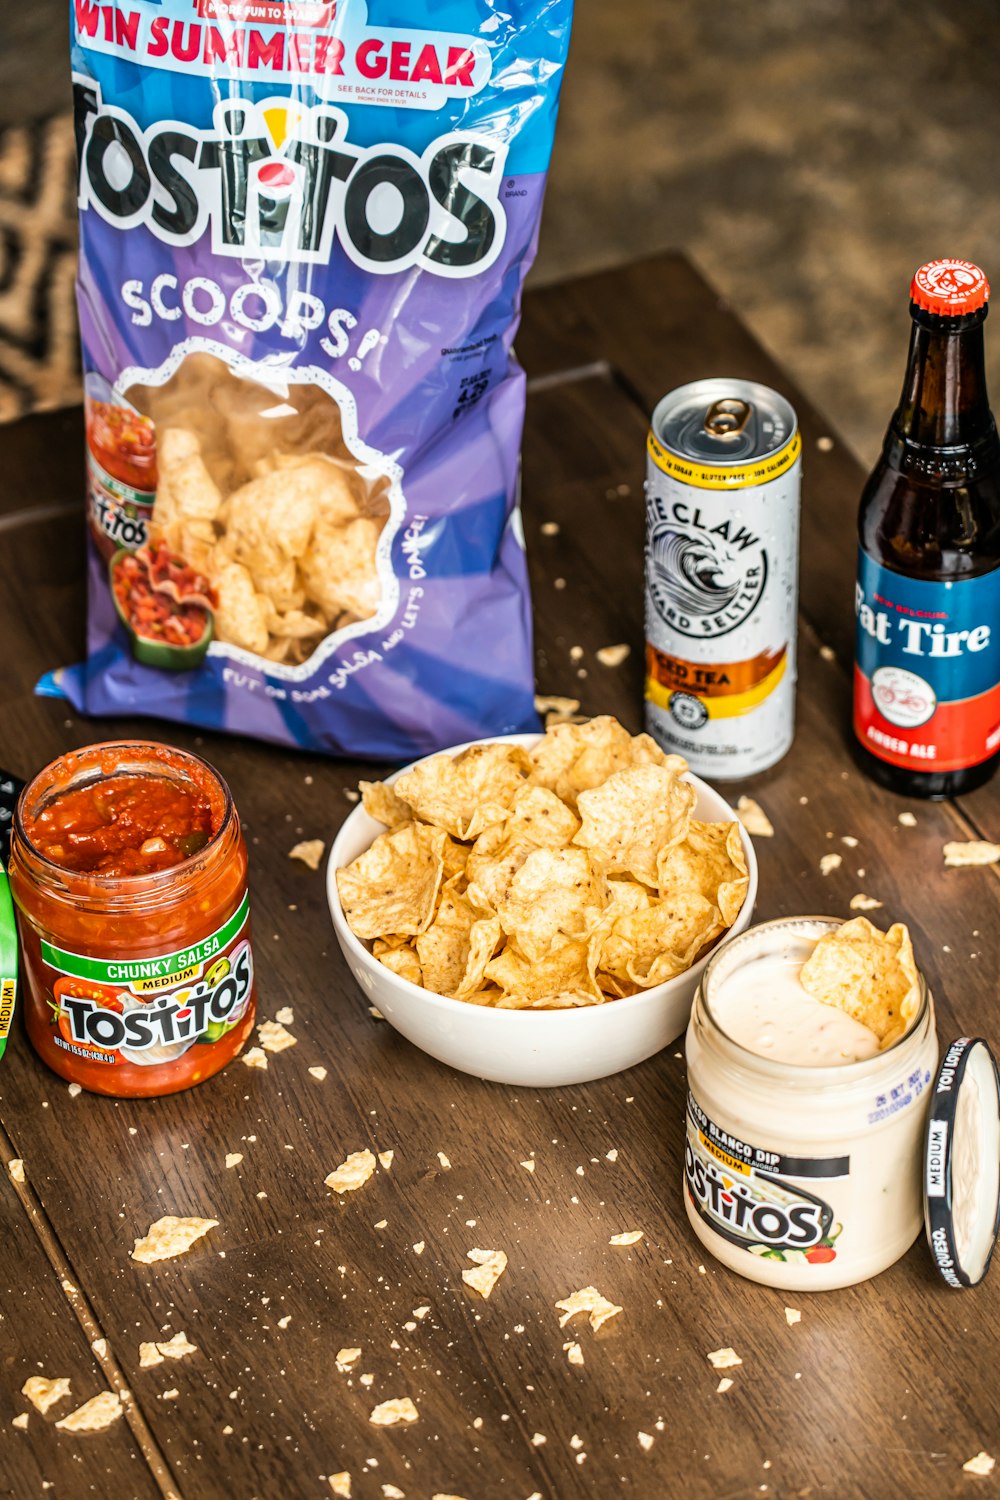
(538, 910)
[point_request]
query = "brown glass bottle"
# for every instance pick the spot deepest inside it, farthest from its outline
(927, 675)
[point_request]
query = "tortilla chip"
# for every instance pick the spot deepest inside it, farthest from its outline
(339, 570)
(636, 815)
(448, 790)
(555, 893)
(572, 758)
(869, 974)
(393, 886)
(241, 615)
(381, 803)
(535, 816)
(651, 946)
(443, 950)
(567, 969)
(400, 958)
(710, 863)
(484, 938)
(492, 863)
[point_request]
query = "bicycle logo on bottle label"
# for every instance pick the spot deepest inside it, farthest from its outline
(902, 697)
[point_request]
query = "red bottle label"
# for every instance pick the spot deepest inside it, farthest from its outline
(927, 669)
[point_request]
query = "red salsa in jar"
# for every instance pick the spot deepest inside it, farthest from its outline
(129, 871)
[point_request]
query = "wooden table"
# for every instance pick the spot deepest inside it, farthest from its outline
(881, 1390)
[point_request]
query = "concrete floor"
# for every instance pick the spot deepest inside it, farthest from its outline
(807, 153)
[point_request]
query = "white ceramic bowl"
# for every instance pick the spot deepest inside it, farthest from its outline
(536, 1049)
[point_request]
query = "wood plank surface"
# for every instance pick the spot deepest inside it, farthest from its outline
(881, 1389)
(40, 1335)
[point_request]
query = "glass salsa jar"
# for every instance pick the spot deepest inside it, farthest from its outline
(129, 871)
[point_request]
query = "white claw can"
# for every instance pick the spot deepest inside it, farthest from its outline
(722, 563)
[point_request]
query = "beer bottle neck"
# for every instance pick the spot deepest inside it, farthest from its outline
(944, 403)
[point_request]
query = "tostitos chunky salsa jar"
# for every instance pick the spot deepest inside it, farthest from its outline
(129, 871)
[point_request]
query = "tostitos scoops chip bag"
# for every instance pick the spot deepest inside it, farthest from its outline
(304, 229)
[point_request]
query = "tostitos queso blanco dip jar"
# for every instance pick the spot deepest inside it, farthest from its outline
(805, 1143)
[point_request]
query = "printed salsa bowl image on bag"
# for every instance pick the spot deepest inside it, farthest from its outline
(129, 872)
(304, 230)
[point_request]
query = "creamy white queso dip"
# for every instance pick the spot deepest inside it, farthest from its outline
(764, 1008)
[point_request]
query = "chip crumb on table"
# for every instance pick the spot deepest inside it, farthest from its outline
(318, 1072)
(233, 1158)
(970, 852)
(309, 852)
(44, 1393)
(95, 1415)
(483, 1277)
(389, 1413)
(724, 1385)
(628, 1237)
(352, 1173)
(981, 1464)
(590, 1301)
(573, 1352)
(16, 1169)
(274, 1037)
(346, 1357)
(724, 1359)
(829, 863)
(254, 1057)
(754, 819)
(170, 1236)
(792, 1316)
(20, 1421)
(385, 1160)
(907, 819)
(646, 1441)
(612, 656)
(861, 902)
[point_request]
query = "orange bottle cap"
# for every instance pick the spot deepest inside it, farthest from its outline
(950, 288)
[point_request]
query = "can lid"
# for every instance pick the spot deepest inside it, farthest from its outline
(950, 288)
(962, 1163)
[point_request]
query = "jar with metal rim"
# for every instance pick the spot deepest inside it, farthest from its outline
(798, 1176)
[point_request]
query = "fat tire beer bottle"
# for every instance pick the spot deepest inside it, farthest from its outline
(927, 671)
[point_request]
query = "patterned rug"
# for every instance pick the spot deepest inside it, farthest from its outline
(39, 358)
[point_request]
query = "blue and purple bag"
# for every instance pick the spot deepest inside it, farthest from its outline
(304, 226)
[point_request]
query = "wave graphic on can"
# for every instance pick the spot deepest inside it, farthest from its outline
(692, 572)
